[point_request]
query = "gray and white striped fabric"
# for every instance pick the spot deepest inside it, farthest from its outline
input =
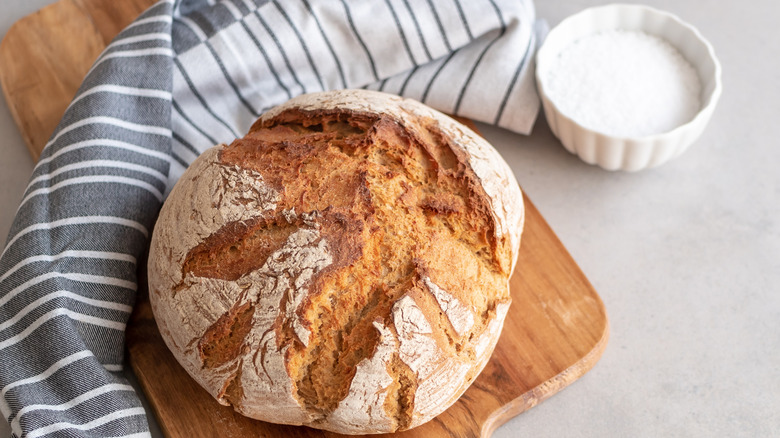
(183, 77)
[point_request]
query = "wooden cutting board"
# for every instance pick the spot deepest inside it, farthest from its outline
(556, 329)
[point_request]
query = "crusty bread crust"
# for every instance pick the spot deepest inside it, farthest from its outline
(344, 266)
(493, 172)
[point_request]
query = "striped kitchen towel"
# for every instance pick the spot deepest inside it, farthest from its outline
(184, 76)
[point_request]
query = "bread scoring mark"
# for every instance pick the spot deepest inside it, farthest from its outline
(499, 183)
(439, 377)
(280, 284)
(489, 337)
(417, 350)
(439, 183)
(222, 342)
(232, 393)
(340, 305)
(241, 194)
(267, 389)
(289, 215)
(288, 272)
(446, 203)
(495, 176)
(460, 316)
(403, 410)
(239, 200)
(362, 411)
(441, 389)
(300, 259)
(239, 247)
(326, 121)
(265, 379)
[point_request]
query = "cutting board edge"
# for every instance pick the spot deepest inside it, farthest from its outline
(549, 387)
(9, 36)
(145, 384)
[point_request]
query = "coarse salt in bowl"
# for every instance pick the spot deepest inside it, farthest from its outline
(627, 87)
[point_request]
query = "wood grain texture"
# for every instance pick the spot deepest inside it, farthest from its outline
(44, 57)
(555, 331)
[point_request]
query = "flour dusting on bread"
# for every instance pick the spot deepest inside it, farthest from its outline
(345, 265)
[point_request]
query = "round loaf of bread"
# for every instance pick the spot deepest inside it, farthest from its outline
(345, 265)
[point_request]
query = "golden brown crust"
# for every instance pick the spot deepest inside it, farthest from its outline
(344, 265)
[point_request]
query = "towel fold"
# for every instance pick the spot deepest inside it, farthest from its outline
(182, 77)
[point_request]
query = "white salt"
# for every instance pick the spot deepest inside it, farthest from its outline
(625, 84)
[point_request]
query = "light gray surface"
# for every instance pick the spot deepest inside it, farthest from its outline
(686, 257)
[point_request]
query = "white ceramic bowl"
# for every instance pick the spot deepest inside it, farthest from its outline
(630, 153)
